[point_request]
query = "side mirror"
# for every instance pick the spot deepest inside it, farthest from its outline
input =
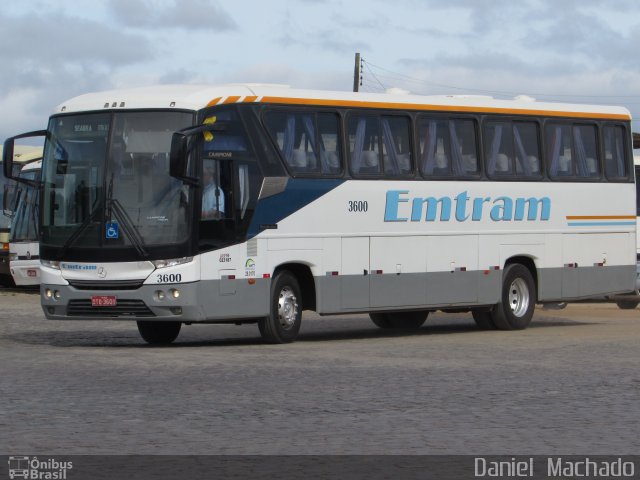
(178, 155)
(181, 145)
(8, 154)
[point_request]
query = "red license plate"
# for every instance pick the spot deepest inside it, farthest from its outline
(103, 301)
(32, 273)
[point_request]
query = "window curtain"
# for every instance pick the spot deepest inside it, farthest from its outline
(429, 153)
(356, 155)
(524, 160)
(581, 154)
(392, 153)
(495, 148)
(554, 151)
(456, 154)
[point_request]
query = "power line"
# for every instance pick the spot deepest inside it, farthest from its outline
(400, 76)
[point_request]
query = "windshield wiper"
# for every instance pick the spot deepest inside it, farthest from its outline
(79, 231)
(130, 229)
(115, 208)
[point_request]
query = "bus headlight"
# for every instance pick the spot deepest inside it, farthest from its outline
(175, 293)
(172, 262)
(50, 263)
(13, 257)
(48, 294)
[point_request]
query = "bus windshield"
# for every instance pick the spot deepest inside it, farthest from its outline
(107, 184)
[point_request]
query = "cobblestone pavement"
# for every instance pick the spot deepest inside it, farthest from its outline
(570, 384)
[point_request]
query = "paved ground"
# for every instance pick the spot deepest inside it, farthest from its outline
(570, 384)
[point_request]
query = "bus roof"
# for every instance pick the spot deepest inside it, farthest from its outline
(196, 97)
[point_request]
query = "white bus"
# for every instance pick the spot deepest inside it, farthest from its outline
(24, 258)
(22, 154)
(334, 202)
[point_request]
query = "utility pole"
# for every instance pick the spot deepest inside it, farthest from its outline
(357, 78)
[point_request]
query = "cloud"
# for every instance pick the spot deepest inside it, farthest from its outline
(59, 39)
(49, 56)
(187, 14)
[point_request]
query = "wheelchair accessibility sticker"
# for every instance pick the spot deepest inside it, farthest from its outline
(112, 230)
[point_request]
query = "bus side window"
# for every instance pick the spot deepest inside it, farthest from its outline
(586, 151)
(499, 149)
(364, 145)
(559, 155)
(396, 147)
(614, 152)
(527, 150)
(309, 142)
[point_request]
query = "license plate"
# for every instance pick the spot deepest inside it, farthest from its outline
(103, 301)
(32, 273)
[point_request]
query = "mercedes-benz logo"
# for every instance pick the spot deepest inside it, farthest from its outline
(102, 273)
(28, 255)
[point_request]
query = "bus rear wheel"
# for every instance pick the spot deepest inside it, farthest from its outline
(518, 299)
(159, 333)
(408, 320)
(285, 316)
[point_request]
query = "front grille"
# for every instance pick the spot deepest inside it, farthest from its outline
(124, 308)
(106, 284)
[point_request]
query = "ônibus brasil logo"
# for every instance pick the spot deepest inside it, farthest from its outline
(33, 468)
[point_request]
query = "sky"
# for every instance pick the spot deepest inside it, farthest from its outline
(580, 51)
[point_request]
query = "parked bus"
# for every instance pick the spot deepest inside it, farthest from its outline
(21, 155)
(24, 257)
(174, 205)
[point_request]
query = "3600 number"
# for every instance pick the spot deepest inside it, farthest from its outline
(169, 278)
(358, 205)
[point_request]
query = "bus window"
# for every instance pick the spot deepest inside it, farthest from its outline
(364, 145)
(586, 150)
(309, 142)
(527, 151)
(448, 147)
(572, 151)
(559, 154)
(499, 149)
(614, 148)
(396, 147)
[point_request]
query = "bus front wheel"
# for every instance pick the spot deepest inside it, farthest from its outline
(408, 320)
(517, 301)
(159, 333)
(285, 316)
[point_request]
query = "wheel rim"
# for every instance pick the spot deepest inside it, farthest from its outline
(287, 308)
(519, 297)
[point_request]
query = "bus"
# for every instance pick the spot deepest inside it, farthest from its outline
(21, 155)
(24, 259)
(333, 202)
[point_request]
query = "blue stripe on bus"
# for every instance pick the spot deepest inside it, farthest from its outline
(298, 194)
(599, 224)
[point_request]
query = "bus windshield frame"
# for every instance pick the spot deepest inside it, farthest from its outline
(106, 190)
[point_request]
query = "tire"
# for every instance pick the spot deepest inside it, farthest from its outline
(518, 299)
(406, 320)
(483, 319)
(283, 323)
(159, 333)
(626, 304)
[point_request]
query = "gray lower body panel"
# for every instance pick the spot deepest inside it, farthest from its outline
(237, 299)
